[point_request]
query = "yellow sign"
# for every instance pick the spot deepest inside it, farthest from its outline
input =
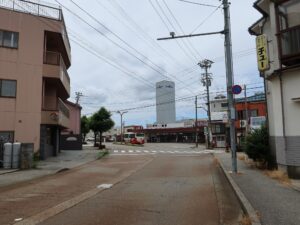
(262, 53)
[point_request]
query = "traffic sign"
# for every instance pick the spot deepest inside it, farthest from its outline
(236, 89)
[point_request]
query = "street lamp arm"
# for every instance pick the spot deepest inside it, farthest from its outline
(190, 35)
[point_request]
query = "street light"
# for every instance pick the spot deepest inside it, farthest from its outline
(121, 114)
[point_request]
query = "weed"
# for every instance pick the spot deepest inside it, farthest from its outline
(279, 175)
(245, 220)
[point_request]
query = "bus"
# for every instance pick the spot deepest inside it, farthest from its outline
(134, 138)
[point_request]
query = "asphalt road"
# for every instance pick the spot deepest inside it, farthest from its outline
(183, 189)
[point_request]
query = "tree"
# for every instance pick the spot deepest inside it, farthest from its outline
(101, 122)
(257, 147)
(85, 127)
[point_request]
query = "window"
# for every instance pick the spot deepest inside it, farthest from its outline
(289, 14)
(6, 136)
(224, 104)
(218, 128)
(253, 113)
(8, 88)
(9, 39)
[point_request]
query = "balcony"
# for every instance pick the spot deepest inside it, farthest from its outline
(47, 11)
(58, 115)
(289, 40)
(54, 68)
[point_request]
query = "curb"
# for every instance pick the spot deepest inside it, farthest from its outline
(246, 205)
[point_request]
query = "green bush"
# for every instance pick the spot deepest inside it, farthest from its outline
(257, 147)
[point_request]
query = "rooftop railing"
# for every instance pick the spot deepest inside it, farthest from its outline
(43, 10)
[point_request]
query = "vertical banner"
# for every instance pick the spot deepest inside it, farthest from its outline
(262, 53)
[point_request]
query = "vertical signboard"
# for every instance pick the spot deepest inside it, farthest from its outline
(262, 53)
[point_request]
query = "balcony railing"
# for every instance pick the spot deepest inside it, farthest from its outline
(43, 10)
(55, 58)
(290, 45)
(56, 104)
(63, 108)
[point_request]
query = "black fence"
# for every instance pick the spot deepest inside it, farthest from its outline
(1, 153)
(70, 142)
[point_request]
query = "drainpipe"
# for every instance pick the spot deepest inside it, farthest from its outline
(282, 111)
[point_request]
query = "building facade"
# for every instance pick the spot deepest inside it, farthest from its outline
(280, 25)
(165, 102)
(34, 83)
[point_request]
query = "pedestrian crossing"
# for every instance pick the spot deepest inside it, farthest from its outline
(135, 152)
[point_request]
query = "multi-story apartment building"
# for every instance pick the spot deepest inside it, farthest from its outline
(279, 40)
(34, 83)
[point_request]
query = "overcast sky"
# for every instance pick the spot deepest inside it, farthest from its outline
(143, 61)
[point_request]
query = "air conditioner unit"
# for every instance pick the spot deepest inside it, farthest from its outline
(243, 123)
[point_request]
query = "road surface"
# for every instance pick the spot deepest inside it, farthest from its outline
(169, 188)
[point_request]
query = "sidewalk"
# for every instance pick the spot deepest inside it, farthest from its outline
(275, 203)
(65, 160)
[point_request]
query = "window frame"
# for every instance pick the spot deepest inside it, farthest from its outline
(12, 132)
(285, 59)
(15, 96)
(2, 41)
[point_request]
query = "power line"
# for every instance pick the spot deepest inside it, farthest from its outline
(174, 29)
(166, 25)
(181, 29)
(117, 6)
(118, 37)
(206, 18)
(197, 3)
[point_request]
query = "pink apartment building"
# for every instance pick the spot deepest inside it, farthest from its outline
(34, 83)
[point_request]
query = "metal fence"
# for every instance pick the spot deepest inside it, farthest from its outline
(32, 8)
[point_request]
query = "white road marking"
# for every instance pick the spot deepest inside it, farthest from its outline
(105, 186)
(130, 151)
(138, 151)
(123, 151)
(116, 150)
(146, 151)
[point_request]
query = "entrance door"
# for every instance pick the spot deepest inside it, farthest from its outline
(221, 141)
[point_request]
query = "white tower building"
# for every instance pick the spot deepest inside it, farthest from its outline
(165, 102)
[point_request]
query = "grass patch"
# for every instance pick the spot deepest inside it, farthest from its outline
(279, 175)
(102, 154)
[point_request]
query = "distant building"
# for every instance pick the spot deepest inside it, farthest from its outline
(165, 102)
(35, 55)
(257, 110)
(279, 64)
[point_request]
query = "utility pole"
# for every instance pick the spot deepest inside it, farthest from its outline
(230, 83)
(121, 114)
(206, 81)
(246, 110)
(78, 96)
(229, 74)
(196, 121)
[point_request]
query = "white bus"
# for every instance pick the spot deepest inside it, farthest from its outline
(134, 138)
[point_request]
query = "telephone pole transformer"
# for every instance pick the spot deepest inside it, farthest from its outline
(78, 96)
(206, 81)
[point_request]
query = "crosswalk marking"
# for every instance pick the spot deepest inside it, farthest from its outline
(177, 152)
